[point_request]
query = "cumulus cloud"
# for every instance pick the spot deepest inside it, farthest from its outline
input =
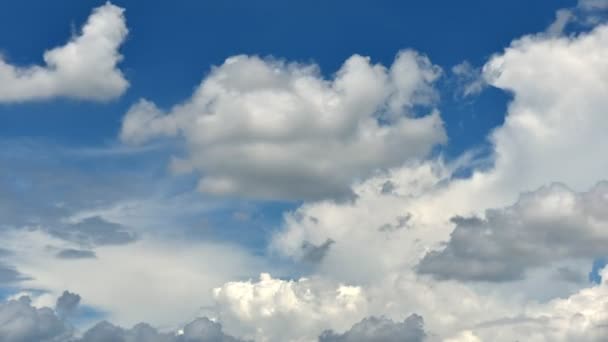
(83, 68)
(281, 310)
(543, 227)
(199, 330)
(267, 128)
(380, 330)
(67, 303)
(20, 322)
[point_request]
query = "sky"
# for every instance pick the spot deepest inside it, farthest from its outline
(303, 171)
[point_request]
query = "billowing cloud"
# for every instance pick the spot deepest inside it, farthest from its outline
(199, 330)
(67, 303)
(20, 322)
(267, 128)
(83, 68)
(280, 310)
(380, 330)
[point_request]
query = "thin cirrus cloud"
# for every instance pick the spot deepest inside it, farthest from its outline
(84, 68)
(272, 129)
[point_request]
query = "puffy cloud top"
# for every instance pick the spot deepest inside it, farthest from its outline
(84, 68)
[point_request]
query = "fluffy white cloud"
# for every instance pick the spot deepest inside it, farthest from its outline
(280, 310)
(270, 129)
(83, 68)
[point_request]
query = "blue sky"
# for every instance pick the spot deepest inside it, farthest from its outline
(303, 170)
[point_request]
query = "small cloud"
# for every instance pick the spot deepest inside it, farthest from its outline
(76, 254)
(67, 304)
(314, 254)
(469, 79)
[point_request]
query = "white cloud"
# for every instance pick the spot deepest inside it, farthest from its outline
(553, 132)
(83, 68)
(279, 310)
(272, 129)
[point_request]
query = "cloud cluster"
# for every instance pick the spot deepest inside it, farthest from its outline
(271, 129)
(83, 68)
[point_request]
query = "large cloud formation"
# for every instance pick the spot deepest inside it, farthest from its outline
(84, 68)
(271, 129)
(555, 125)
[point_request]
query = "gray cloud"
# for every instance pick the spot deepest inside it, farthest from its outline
(67, 304)
(401, 222)
(9, 274)
(387, 187)
(543, 227)
(75, 254)
(95, 231)
(380, 330)
(315, 254)
(199, 330)
(273, 129)
(20, 322)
